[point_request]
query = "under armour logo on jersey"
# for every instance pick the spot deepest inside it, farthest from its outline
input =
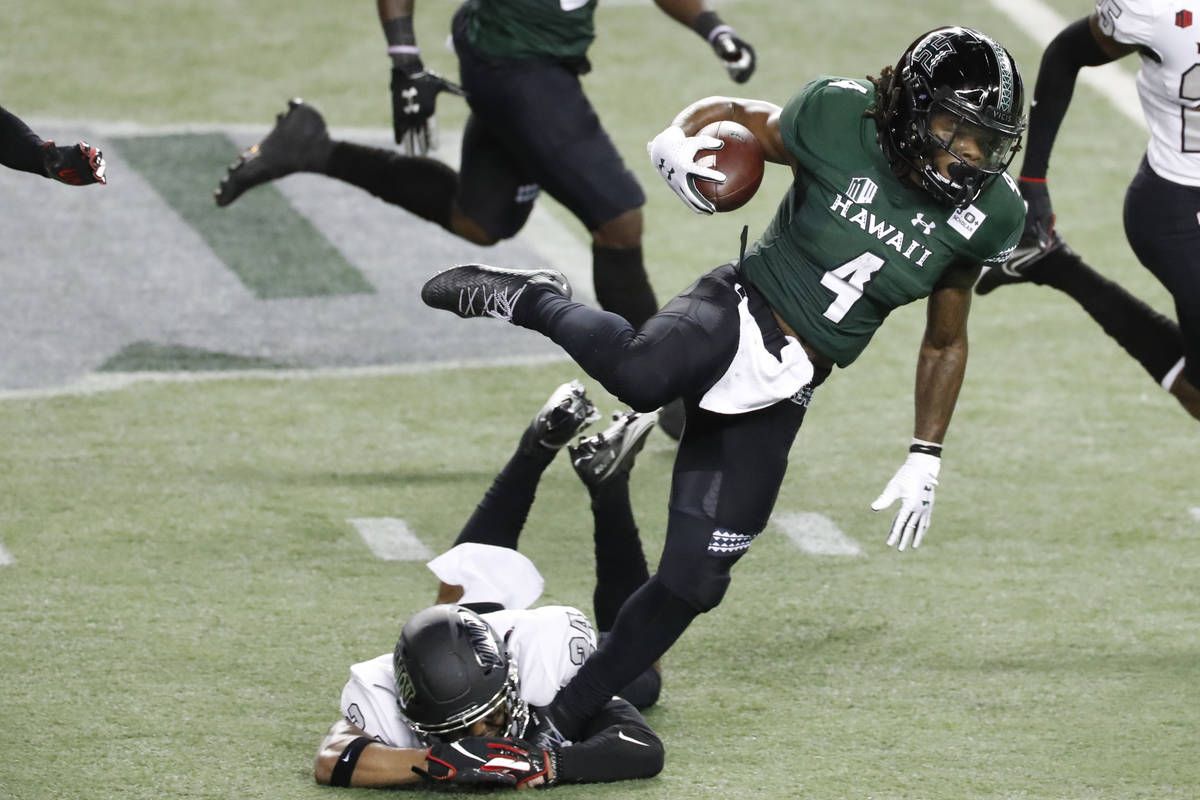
(410, 94)
(862, 190)
(728, 543)
(919, 222)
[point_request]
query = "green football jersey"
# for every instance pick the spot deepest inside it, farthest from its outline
(851, 241)
(557, 30)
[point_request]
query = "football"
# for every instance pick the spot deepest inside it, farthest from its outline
(741, 159)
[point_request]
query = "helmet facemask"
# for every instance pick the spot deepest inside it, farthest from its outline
(954, 91)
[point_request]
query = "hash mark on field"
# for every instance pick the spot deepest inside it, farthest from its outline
(390, 539)
(5, 556)
(816, 534)
(1195, 512)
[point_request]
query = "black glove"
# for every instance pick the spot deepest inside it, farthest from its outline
(414, 94)
(1039, 218)
(480, 760)
(77, 165)
(737, 55)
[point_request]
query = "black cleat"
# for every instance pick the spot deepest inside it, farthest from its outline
(565, 414)
(1019, 268)
(612, 451)
(299, 142)
(477, 290)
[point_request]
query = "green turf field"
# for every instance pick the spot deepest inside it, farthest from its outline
(184, 592)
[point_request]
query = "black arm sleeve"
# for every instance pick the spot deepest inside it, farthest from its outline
(1072, 49)
(619, 745)
(20, 148)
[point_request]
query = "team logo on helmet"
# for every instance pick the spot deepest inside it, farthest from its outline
(482, 642)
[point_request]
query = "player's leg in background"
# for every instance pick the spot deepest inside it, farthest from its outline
(501, 514)
(604, 463)
(1162, 223)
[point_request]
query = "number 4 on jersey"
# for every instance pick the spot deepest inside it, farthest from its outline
(847, 282)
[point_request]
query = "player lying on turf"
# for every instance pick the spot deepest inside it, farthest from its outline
(899, 193)
(453, 701)
(21, 149)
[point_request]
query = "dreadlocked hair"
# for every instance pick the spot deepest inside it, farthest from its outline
(883, 88)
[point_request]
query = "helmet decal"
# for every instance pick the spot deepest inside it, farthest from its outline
(1005, 102)
(483, 642)
(931, 52)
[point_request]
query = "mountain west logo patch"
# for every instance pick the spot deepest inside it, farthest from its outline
(862, 190)
(966, 221)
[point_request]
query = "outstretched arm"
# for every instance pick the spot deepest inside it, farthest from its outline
(345, 760)
(21, 149)
(735, 53)
(1083, 43)
(941, 365)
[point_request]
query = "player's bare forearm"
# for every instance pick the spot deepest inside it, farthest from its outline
(760, 116)
(942, 361)
(379, 766)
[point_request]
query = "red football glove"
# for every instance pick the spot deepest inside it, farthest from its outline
(479, 760)
(77, 165)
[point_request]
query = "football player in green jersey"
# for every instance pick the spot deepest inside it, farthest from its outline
(899, 193)
(531, 128)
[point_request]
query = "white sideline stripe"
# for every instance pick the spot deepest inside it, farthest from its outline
(390, 539)
(100, 382)
(1195, 512)
(1041, 23)
(816, 534)
(6, 557)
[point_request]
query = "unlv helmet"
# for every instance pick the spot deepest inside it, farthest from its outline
(452, 670)
(962, 73)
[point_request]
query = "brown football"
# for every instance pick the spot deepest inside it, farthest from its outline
(741, 159)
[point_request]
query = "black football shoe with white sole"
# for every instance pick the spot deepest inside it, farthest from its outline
(299, 142)
(477, 290)
(560, 419)
(611, 452)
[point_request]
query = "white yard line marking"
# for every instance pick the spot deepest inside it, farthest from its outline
(1041, 23)
(390, 539)
(1195, 512)
(98, 382)
(816, 534)
(6, 557)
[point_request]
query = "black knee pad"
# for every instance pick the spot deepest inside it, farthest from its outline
(697, 558)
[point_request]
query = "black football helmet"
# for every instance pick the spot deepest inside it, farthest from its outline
(452, 670)
(962, 73)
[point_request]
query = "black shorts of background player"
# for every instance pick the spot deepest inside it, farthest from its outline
(21, 149)
(531, 128)
(1162, 203)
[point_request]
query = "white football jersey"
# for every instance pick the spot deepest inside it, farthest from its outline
(1169, 89)
(549, 645)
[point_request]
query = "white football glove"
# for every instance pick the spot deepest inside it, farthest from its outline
(674, 153)
(913, 485)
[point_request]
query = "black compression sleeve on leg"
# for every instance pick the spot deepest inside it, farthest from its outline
(620, 560)
(1152, 339)
(422, 186)
(649, 623)
(501, 514)
(20, 147)
(1072, 49)
(622, 285)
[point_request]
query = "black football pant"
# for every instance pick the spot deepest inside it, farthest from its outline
(727, 472)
